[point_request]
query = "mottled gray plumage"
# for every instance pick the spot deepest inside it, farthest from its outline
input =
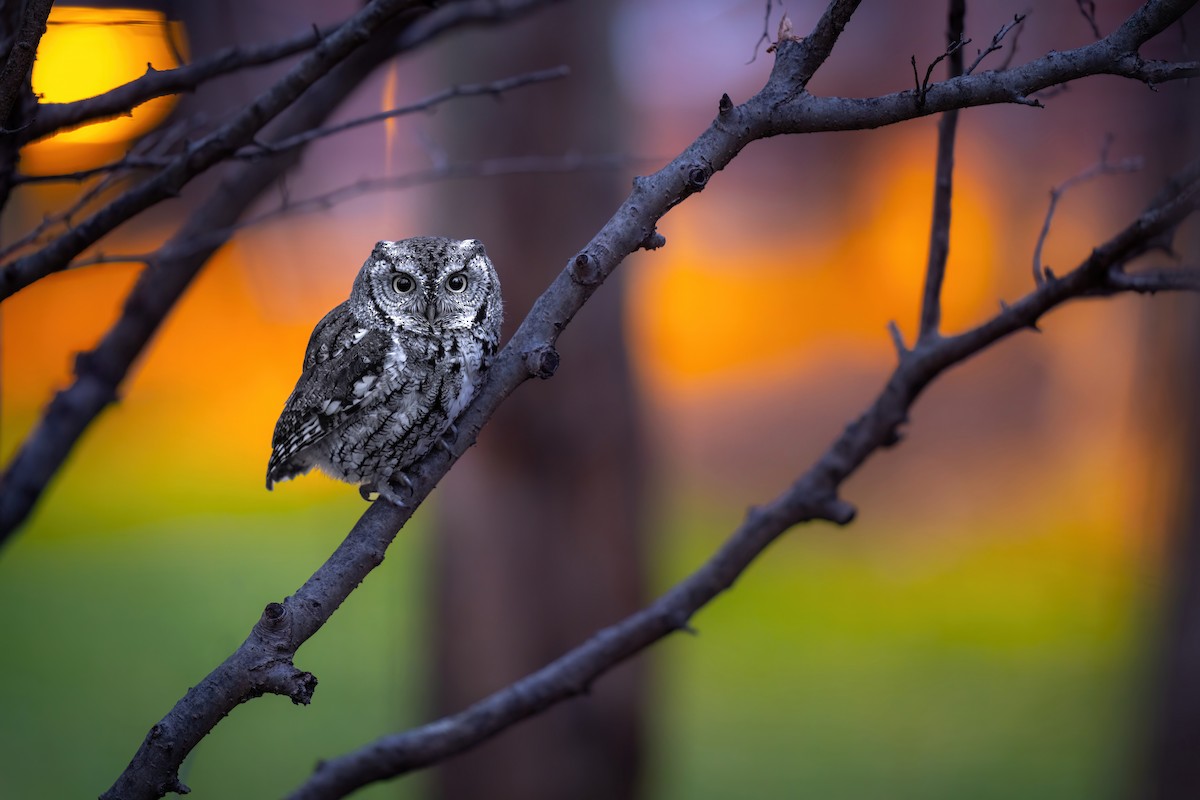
(389, 370)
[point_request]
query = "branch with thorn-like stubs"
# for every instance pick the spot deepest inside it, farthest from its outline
(1102, 167)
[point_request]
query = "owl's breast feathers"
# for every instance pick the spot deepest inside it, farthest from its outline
(342, 365)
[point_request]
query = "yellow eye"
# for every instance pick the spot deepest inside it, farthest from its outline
(403, 283)
(457, 283)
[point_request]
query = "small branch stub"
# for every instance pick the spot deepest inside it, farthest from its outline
(585, 270)
(543, 362)
(725, 105)
(698, 178)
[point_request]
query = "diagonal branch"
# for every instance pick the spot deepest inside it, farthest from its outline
(812, 497)
(51, 118)
(210, 150)
(939, 234)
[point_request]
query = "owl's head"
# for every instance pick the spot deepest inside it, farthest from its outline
(430, 285)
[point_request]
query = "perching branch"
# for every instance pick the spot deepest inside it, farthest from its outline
(812, 497)
(782, 106)
(939, 234)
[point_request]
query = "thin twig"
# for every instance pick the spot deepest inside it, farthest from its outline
(939, 230)
(954, 48)
(995, 44)
(261, 149)
(1101, 167)
(766, 32)
(208, 240)
(145, 149)
(492, 89)
(1088, 9)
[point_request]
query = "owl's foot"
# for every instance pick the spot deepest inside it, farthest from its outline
(394, 489)
(447, 438)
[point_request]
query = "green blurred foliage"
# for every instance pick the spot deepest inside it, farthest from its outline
(865, 662)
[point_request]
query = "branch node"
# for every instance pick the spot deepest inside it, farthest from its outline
(898, 339)
(542, 362)
(839, 512)
(173, 784)
(698, 178)
(724, 105)
(585, 270)
(653, 240)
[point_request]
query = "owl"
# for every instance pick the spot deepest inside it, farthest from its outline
(388, 371)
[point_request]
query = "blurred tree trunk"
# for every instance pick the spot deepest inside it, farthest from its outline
(540, 527)
(1174, 346)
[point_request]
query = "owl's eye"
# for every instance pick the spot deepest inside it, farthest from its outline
(457, 282)
(403, 283)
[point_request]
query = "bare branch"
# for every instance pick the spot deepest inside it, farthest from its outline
(1150, 281)
(54, 117)
(1102, 167)
(995, 44)
(210, 150)
(766, 33)
(445, 171)
(1088, 9)
(14, 78)
(493, 89)
(954, 48)
(812, 497)
(260, 149)
(939, 232)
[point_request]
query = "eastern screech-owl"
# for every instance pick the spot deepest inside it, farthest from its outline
(388, 371)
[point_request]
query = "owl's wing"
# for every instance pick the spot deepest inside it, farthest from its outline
(342, 364)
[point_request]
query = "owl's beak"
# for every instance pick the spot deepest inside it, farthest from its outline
(431, 311)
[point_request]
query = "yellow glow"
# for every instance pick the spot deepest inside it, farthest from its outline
(88, 51)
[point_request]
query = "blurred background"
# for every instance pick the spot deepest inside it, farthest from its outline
(1007, 616)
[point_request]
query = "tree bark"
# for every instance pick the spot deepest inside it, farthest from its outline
(539, 529)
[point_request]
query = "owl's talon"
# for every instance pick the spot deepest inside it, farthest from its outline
(388, 492)
(366, 490)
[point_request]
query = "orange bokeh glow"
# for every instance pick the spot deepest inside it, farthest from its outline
(708, 310)
(88, 51)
